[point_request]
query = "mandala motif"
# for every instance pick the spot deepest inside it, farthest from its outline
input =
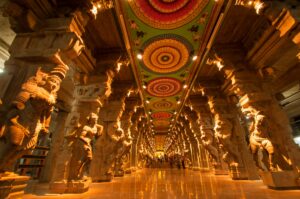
(161, 123)
(161, 115)
(166, 55)
(163, 105)
(164, 87)
(167, 14)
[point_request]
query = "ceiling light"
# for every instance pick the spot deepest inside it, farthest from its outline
(179, 102)
(144, 86)
(194, 57)
(185, 86)
(139, 56)
(147, 101)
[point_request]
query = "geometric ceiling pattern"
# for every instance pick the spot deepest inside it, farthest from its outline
(166, 42)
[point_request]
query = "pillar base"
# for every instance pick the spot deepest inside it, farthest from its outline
(104, 178)
(196, 169)
(128, 171)
(119, 173)
(238, 173)
(280, 179)
(220, 172)
(13, 186)
(133, 169)
(79, 186)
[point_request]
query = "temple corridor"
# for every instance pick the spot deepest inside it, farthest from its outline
(150, 99)
(170, 184)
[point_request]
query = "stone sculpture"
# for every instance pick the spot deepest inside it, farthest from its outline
(80, 141)
(224, 129)
(28, 116)
(207, 139)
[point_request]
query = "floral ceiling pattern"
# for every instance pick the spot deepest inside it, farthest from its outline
(167, 40)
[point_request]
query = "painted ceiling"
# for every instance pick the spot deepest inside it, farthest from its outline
(166, 43)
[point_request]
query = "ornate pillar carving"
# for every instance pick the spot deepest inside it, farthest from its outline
(72, 168)
(270, 130)
(136, 138)
(230, 135)
(193, 130)
(207, 134)
(122, 162)
(113, 136)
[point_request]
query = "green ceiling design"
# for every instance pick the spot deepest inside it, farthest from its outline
(167, 34)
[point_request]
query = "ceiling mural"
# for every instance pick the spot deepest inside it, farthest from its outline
(166, 42)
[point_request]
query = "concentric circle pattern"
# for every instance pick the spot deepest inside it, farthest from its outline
(161, 115)
(163, 105)
(165, 55)
(164, 87)
(167, 14)
(161, 123)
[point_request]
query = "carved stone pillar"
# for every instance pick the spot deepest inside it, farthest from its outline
(89, 95)
(40, 60)
(111, 141)
(230, 136)
(207, 133)
(122, 162)
(57, 140)
(136, 138)
(193, 130)
(270, 130)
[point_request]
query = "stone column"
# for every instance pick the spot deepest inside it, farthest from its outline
(136, 135)
(38, 64)
(270, 130)
(89, 95)
(207, 133)
(57, 140)
(193, 130)
(111, 141)
(230, 135)
(122, 162)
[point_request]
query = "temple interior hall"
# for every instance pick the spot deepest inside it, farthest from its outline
(150, 99)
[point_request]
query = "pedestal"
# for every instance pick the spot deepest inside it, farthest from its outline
(105, 178)
(218, 170)
(280, 179)
(119, 173)
(196, 168)
(13, 187)
(79, 186)
(238, 173)
(128, 171)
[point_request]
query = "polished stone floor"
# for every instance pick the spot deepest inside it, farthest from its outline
(171, 184)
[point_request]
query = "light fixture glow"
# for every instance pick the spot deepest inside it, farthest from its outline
(144, 86)
(139, 56)
(147, 101)
(119, 64)
(195, 57)
(179, 102)
(185, 86)
(94, 10)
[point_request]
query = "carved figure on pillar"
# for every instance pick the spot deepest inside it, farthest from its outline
(29, 115)
(80, 140)
(224, 129)
(207, 138)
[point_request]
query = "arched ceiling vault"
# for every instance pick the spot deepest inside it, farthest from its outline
(166, 40)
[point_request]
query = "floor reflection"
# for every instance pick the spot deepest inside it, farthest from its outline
(171, 184)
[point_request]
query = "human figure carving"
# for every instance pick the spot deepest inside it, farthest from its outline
(224, 129)
(81, 140)
(28, 116)
(207, 139)
(259, 138)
